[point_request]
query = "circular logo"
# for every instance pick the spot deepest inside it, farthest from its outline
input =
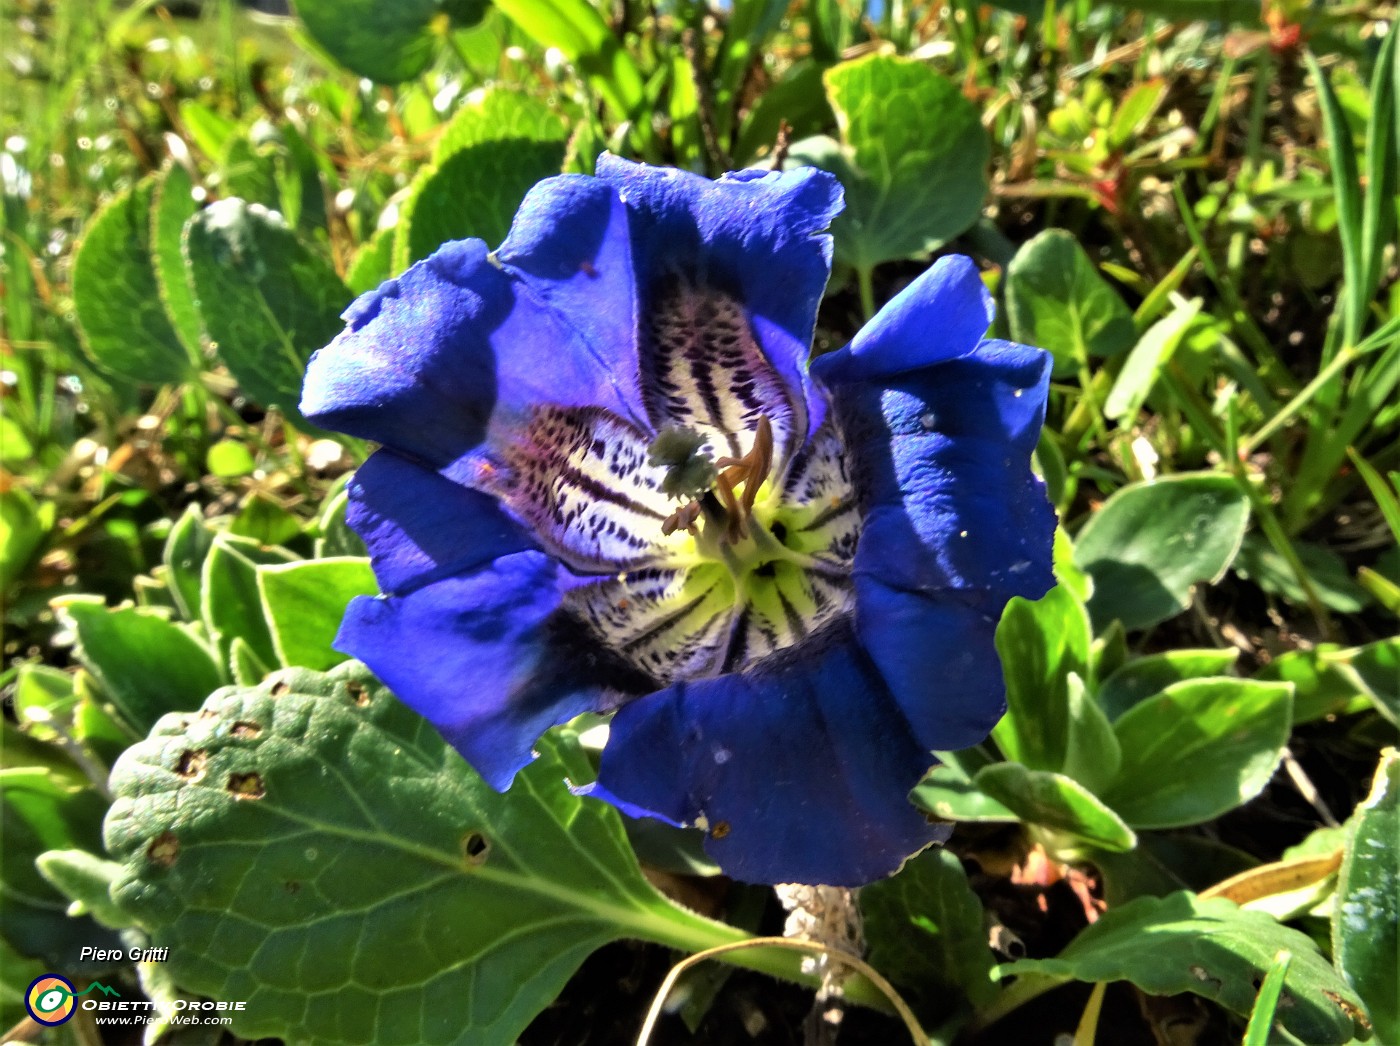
(50, 999)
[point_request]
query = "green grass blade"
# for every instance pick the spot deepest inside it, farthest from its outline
(1261, 1021)
(1346, 185)
(1382, 161)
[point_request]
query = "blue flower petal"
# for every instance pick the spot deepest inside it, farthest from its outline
(941, 458)
(940, 316)
(570, 246)
(418, 367)
(760, 238)
(801, 767)
(488, 658)
(939, 659)
(421, 527)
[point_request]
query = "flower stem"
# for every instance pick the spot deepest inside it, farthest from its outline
(689, 932)
(867, 292)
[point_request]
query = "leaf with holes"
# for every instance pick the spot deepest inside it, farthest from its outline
(313, 847)
(1182, 943)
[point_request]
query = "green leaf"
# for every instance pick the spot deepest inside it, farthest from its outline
(147, 664)
(231, 605)
(334, 536)
(86, 880)
(1143, 677)
(317, 816)
(23, 526)
(116, 296)
(1148, 358)
(1328, 574)
(949, 794)
(1092, 755)
(174, 205)
(1151, 542)
(268, 302)
(1055, 298)
(229, 459)
(577, 29)
(304, 602)
(1133, 112)
(262, 519)
(1331, 680)
(926, 933)
(492, 153)
(1198, 749)
(373, 262)
(185, 550)
(1040, 644)
(44, 809)
(386, 42)
(1367, 909)
(912, 158)
(1181, 943)
(1163, 864)
(1057, 802)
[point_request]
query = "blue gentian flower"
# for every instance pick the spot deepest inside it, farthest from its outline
(611, 482)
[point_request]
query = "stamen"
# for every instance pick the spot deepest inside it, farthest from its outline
(751, 470)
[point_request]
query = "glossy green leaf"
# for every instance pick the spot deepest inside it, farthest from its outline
(116, 296)
(334, 536)
(267, 300)
(495, 149)
(264, 830)
(912, 158)
(1143, 677)
(147, 665)
(1181, 943)
(1040, 644)
(1055, 298)
(304, 602)
(926, 932)
(1367, 908)
(1151, 542)
(373, 263)
(1057, 802)
(1092, 755)
(1198, 749)
(387, 42)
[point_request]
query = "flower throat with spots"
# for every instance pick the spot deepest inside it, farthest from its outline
(722, 534)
